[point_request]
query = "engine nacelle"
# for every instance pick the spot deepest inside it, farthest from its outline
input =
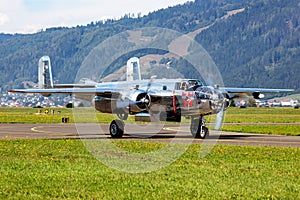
(46, 95)
(109, 105)
(140, 101)
(134, 102)
(105, 105)
(258, 95)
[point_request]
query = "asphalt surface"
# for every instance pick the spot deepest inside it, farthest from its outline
(153, 133)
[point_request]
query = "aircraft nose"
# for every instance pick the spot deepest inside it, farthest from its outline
(214, 96)
(209, 93)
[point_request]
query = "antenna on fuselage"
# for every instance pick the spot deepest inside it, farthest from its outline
(133, 69)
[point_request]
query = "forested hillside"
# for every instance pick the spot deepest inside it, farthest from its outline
(257, 47)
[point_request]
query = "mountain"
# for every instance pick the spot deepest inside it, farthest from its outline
(255, 43)
(259, 46)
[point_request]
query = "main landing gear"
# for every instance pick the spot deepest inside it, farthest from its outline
(198, 128)
(116, 128)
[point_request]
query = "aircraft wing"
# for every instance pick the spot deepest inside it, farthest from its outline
(89, 90)
(73, 86)
(104, 91)
(87, 94)
(83, 83)
(256, 92)
(84, 90)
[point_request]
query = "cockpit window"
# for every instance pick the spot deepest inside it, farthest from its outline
(183, 86)
(189, 85)
(195, 83)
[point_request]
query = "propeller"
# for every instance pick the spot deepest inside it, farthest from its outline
(155, 117)
(221, 114)
(220, 118)
(147, 92)
(150, 83)
(143, 99)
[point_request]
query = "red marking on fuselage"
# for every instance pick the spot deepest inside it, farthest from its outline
(188, 99)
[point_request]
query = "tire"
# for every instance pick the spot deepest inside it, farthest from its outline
(194, 127)
(197, 130)
(204, 133)
(116, 129)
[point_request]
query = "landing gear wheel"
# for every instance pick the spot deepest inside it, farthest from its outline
(198, 129)
(203, 133)
(116, 129)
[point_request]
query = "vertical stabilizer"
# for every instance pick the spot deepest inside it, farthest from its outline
(133, 69)
(45, 73)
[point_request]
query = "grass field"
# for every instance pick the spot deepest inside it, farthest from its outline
(63, 169)
(282, 121)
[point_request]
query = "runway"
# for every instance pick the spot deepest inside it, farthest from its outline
(153, 133)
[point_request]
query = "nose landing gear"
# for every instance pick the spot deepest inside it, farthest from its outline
(198, 128)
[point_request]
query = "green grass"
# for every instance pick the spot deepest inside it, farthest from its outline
(63, 169)
(262, 115)
(34, 116)
(280, 121)
(289, 130)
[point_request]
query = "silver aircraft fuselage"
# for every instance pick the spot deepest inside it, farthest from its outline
(187, 96)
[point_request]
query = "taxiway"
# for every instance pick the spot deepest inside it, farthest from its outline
(154, 133)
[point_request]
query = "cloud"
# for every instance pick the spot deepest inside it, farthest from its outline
(3, 19)
(26, 16)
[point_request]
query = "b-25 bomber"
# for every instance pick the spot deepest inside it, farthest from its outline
(164, 99)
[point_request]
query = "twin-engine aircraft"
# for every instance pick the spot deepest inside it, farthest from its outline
(165, 99)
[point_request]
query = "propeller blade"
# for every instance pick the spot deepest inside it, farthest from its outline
(150, 83)
(220, 117)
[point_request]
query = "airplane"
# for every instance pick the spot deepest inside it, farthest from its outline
(165, 99)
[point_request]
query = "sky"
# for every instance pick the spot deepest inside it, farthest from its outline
(30, 16)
